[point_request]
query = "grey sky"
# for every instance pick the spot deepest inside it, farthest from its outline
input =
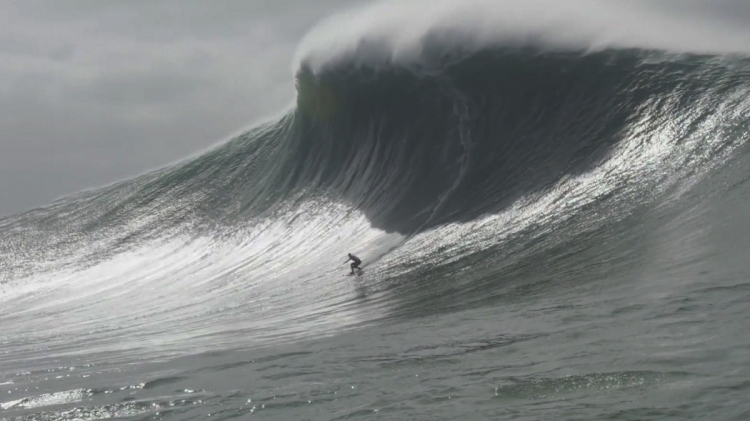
(96, 91)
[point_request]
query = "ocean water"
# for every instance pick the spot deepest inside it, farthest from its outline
(546, 234)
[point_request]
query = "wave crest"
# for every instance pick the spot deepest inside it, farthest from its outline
(406, 32)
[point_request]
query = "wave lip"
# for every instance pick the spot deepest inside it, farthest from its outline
(389, 32)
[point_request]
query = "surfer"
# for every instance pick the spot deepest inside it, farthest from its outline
(356, 262)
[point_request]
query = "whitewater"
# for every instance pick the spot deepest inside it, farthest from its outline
(550, 203)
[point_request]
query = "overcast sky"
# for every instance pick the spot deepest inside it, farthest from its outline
(96, 91)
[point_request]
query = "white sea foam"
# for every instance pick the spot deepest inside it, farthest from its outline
(396, 31)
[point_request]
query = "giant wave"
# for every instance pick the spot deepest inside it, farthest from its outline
(426, 164)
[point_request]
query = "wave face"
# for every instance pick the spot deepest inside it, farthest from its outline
(418, 148)
(385, 161)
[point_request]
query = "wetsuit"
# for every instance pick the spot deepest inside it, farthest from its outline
(356, 261)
